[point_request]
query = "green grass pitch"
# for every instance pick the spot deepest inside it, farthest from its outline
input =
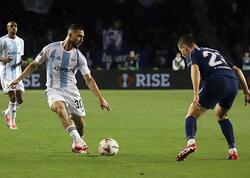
(148, 125)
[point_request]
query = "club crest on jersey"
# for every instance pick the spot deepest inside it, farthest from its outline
(58, 58)
(73, 59)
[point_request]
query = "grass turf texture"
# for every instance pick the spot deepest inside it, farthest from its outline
(148, 125)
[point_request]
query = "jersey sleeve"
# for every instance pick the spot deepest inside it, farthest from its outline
(83, 66)
(194, 57)
(22, 48)
(1, 48)
(42, 56)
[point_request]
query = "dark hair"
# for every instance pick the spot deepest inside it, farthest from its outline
(76, 27)
(187, 39)
(11, 22)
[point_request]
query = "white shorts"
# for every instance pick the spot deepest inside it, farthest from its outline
(71, 98)
(5, 84)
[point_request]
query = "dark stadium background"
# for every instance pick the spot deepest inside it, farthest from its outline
(150, 27)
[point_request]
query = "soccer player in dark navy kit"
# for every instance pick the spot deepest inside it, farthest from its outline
(219, 89)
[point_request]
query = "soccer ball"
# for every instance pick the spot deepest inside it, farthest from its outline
(108, 147)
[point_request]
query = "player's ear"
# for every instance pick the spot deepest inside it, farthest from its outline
(70, 35)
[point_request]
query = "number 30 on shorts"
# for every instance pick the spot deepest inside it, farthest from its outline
(78, 103)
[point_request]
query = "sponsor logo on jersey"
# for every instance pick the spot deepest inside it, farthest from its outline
(63, 69)
(11, 53)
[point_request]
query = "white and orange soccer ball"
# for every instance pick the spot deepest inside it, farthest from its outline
(108, 147)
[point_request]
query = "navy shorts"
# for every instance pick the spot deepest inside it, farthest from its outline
(218, 89)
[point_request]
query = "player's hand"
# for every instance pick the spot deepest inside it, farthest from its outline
(195, 102)
(13, 84)
(247, 98)
(7, 59)
(104, 104)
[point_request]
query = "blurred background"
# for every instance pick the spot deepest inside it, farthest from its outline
(134, 34)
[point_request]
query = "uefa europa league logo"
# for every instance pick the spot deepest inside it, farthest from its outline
(124, 80)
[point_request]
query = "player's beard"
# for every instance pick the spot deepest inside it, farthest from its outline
(12, 34)
(74, 44)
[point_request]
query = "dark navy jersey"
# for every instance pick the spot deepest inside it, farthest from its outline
(210, 63)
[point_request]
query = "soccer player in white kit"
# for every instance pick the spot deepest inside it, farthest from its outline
(63, 59)
(11, 52)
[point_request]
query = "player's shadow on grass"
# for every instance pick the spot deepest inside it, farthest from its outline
(64, 154)
(93, 155)
(213, 159)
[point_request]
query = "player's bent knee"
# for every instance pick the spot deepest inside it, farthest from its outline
(60, 111)
(194, 112)
(57, 106)
(221, 116)
(221, 112)
(53, 108)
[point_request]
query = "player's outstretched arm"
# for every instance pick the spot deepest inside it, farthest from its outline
(243, 83)
(28, 70)
(90, 81)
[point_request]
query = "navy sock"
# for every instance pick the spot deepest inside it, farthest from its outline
(190, 127)
(227, 130)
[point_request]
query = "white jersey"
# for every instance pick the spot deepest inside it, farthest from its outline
(62, 65)
(14, 48)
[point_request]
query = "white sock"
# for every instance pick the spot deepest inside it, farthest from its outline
(17, 105)
(7, 111)
(12, 112)
(190, 142)
(73, 133)
(231, 150)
